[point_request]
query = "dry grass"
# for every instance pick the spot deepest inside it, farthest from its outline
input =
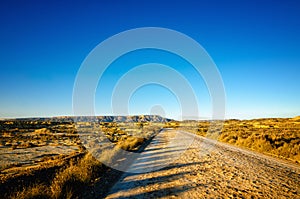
(77, 176)
(130, 143)
(74, 180)
(277, 136)
(33, 192)
(70, 182)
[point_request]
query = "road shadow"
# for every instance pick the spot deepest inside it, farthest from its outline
(158, 181)
(157, 166)
(159, 177)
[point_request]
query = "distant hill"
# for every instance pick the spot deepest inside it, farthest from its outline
(133, 118)
(296, 119)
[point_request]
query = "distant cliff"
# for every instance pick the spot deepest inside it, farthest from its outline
(134, 118)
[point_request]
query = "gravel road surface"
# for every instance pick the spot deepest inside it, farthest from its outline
(182, 165)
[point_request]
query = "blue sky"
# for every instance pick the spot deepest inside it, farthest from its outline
(255, 45)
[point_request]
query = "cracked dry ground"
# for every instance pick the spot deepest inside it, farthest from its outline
(206, 169)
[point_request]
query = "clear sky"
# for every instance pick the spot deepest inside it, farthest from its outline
(255, 45)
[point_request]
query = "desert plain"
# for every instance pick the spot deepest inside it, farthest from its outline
(48, 158)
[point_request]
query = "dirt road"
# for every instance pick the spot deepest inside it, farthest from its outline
(182, 165)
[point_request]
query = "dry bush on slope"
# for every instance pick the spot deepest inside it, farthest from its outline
(69, 182)
(73, 180)
(131, 143)
(38, 191)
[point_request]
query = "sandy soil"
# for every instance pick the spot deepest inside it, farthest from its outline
(32, 156)
(182, 165)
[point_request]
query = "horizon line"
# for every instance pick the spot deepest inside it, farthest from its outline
(185, 118)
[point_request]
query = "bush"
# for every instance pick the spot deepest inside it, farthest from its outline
(73, 180)
(131, 143)
(34, 192)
